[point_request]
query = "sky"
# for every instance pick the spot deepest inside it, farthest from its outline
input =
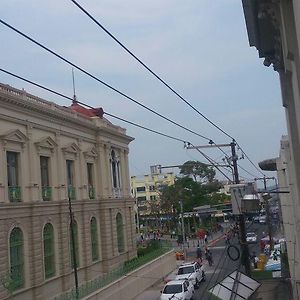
(199, 47)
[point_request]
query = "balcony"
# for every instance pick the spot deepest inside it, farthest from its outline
(91, 192)
(46, 193)
(14, 193)
(71, 192)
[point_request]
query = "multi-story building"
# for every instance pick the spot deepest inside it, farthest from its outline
(274, 29)
(146, 190)
(48, 155)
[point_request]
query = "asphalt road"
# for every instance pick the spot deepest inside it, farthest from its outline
(221, 267)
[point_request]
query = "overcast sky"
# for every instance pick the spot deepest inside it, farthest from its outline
(200, 47)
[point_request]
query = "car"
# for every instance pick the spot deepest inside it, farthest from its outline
(251, 237)
(256, 219)
(193, 272)
(263, 219)
(177, 289)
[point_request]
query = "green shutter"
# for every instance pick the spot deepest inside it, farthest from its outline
(120, 233)
(94, 239)
(16, 244)
(49, 253)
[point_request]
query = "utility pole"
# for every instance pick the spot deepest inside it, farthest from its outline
(182, 226)
(73, 248)
(243, 241)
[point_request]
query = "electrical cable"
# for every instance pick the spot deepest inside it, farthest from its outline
(160, 79)
(252, 163)
(129, 122)
(101, 81)
(151, 71)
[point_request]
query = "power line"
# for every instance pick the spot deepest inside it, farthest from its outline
(149, 69)
(252, 163)
(121, 93)
(101, 81)
(121, 119)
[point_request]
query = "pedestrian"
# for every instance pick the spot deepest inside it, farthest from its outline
(205, 238)
(209, 257)
(199, 253)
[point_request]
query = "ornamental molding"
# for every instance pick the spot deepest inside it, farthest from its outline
(14, 135)
(71, 148)
(46, 142)
(92, 153)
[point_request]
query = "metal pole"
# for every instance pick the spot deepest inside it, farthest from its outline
(244, 245)
(73, 249)
(182, 227)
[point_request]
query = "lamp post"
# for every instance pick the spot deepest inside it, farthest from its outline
(182, 226)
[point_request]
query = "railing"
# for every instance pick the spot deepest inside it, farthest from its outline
(14, 193)
(46, 193)
(105, 279)
(91, 193)
(71, 192)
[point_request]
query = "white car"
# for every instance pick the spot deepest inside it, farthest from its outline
(177, 290)
(251, 237)
(263, 219)
(193, 272)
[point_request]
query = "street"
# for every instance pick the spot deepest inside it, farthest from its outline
(222, 265)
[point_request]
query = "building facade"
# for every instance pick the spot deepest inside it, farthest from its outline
(48, 155)
(274, 29)
(146, 190)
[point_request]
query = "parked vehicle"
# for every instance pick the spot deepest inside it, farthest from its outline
(256, 219)
(177, 289)
(194, 272)
(263, 219)
(251, 237)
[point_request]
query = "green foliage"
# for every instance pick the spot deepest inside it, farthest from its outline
(151, 246)
(198, 170)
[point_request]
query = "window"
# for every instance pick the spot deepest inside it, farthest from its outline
(70, 179)
(151, 188)
(141, 199)
(120, 232)
(90, 170)
(46, 189)
(14, 191)
(49, 252)
(152, 198)
(16, 249)
(76, 249)
(141, 189)
(94, 239)
(115, 168)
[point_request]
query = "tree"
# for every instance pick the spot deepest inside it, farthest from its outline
(199, 171)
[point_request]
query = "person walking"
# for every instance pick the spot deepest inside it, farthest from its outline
(199, 253)
(209, 257)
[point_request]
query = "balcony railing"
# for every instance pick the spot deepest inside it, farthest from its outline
(91, 193)
(71, 192)
(14, 193)
(46, 193)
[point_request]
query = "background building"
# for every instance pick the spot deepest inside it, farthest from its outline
(49, 153)
(146, 188)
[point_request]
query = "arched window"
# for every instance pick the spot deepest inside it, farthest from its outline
(49, 250)
(94, 239)
(76, 250)
(115, 169)
(120, 232)
(16, 249)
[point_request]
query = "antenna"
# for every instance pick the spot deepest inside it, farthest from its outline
(74, 94)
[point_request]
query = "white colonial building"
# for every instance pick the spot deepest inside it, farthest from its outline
(48, 154)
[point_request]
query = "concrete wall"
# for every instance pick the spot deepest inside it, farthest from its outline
(136, 282)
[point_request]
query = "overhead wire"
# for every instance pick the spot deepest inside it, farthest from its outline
(101, 81)
(149, 69)
(121, 119)
(158, 77)
(118, 91)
